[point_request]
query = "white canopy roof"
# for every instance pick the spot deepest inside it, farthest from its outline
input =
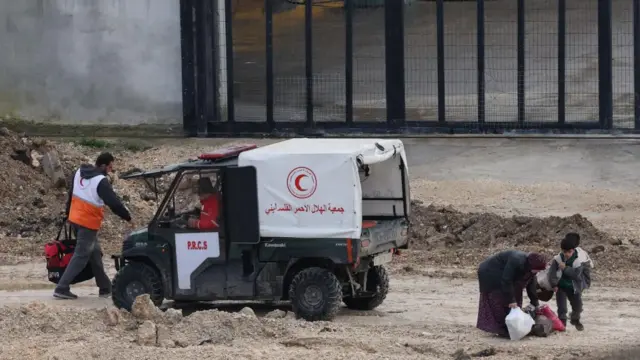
(366, 148)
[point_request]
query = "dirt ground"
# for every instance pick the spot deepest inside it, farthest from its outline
(430, 312)
(423, 318)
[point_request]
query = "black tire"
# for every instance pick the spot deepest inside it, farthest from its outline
(146, 280)
(315, 294)
(378, 282)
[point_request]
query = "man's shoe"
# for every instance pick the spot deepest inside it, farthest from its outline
(564, 322)
(577, 324)
(64, 295)
(104, 294)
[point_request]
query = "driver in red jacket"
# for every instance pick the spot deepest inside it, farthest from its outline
(210, 200)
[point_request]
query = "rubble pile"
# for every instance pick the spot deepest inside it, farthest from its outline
(446, 236)
(43, 331)
(146, 325)
(170, 329)
(34, 193)
(443, 226)
(32, 188)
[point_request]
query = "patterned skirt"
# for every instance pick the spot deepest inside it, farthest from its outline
(493, 310)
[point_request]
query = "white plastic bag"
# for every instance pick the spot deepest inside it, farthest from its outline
(519, 324)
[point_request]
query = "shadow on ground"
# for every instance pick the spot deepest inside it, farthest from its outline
(260, 308)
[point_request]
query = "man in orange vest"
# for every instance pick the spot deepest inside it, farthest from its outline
(90, 191)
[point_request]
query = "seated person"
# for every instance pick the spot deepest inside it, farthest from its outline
(209, 198)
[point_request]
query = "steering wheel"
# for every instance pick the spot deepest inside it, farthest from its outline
(179, 222)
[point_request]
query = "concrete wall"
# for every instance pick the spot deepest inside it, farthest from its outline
(91, 61)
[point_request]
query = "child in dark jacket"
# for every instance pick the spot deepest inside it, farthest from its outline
(569, 275)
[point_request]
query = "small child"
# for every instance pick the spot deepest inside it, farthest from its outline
(569, 275)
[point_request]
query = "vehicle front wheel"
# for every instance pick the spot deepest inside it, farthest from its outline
(315, 294)
(378, 284)
(133, 280)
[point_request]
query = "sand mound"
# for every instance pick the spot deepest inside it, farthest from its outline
(437, 226)
(37, 317)
(30, 202)
(33, 202)
(48, 330)
(445, 236)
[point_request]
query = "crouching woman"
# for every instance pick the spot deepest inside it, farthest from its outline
(503, 277)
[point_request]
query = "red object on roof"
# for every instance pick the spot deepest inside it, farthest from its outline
(227, 152)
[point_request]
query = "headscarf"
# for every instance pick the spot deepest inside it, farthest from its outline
(536, 261)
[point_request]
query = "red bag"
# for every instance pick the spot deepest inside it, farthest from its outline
(546, 311)
(58, 254)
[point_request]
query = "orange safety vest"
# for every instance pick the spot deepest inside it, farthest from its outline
(87, 208)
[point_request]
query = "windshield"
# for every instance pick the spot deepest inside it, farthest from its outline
(184, 201)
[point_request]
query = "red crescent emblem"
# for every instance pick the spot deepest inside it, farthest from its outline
(81, 181)
(294, 180)
(297, 182)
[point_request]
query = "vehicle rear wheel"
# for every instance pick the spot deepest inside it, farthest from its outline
(377, 283)
(133, 280)
(315, 294)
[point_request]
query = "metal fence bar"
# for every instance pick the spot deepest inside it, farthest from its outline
(562, 61)
(636, 62)
(228, 28)
(187, 48)
(268, 11)
(348, 61)
(202, 97)
(521, 61)
(481, 74)
(308, 51)
(394, 62)
(440, 50)
(213, 60)
(605, 63)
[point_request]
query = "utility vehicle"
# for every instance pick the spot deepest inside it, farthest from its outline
(310, 221)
